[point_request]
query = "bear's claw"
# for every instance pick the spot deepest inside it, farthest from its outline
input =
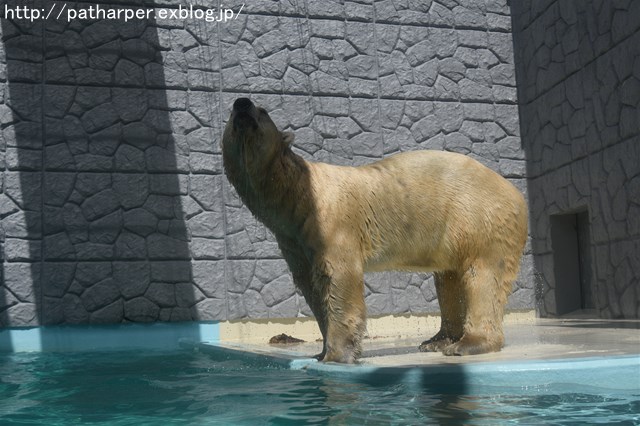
(472, 345)
(433, 345)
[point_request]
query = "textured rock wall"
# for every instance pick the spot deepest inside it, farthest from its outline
(114, 205)
(578, 66)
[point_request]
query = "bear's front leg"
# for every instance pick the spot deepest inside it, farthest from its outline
(306, 279)
(313, 293)
(342, 285)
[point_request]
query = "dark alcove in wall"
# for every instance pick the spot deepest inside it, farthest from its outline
(572, 262)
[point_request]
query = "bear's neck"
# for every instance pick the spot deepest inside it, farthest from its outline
(277, 194)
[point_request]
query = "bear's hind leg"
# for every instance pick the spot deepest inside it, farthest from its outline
(485, 298)
(452, 313)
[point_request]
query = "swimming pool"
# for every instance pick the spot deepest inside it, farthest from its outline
(190, 387)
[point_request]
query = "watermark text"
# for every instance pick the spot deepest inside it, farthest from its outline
(62, 11)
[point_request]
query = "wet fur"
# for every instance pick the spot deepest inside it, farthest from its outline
(415, 211)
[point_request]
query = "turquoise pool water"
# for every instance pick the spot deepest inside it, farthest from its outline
(191, 388)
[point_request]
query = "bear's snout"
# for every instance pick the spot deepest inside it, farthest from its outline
(244, 114)
(242, 104)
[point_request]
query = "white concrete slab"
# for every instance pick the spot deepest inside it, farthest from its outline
(582, 352)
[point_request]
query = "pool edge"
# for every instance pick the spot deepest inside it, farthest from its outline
(81, 338)
(619, 373)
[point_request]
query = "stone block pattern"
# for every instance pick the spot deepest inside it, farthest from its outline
(114, 204)
(578, 66)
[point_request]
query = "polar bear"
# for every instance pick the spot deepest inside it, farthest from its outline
(433, 211)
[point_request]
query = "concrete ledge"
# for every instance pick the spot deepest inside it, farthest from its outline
(260, 358)
(578, 353)
(167, 335)
(256, 331)
(620, 373)
(613, 373)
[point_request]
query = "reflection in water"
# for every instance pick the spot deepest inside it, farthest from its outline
(127, 388)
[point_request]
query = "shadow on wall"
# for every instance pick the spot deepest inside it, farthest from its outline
(94, 178)
(578, 70)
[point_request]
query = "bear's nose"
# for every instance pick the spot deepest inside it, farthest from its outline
(242, 104)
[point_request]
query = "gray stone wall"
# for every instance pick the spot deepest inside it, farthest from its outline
(114, 206)
(578, 66)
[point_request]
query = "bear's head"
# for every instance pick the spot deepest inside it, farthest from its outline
(251, 139)
(253, 150)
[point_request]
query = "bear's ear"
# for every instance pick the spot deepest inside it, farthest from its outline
(287, 138)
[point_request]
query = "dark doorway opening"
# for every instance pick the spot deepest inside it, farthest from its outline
(571, 244)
